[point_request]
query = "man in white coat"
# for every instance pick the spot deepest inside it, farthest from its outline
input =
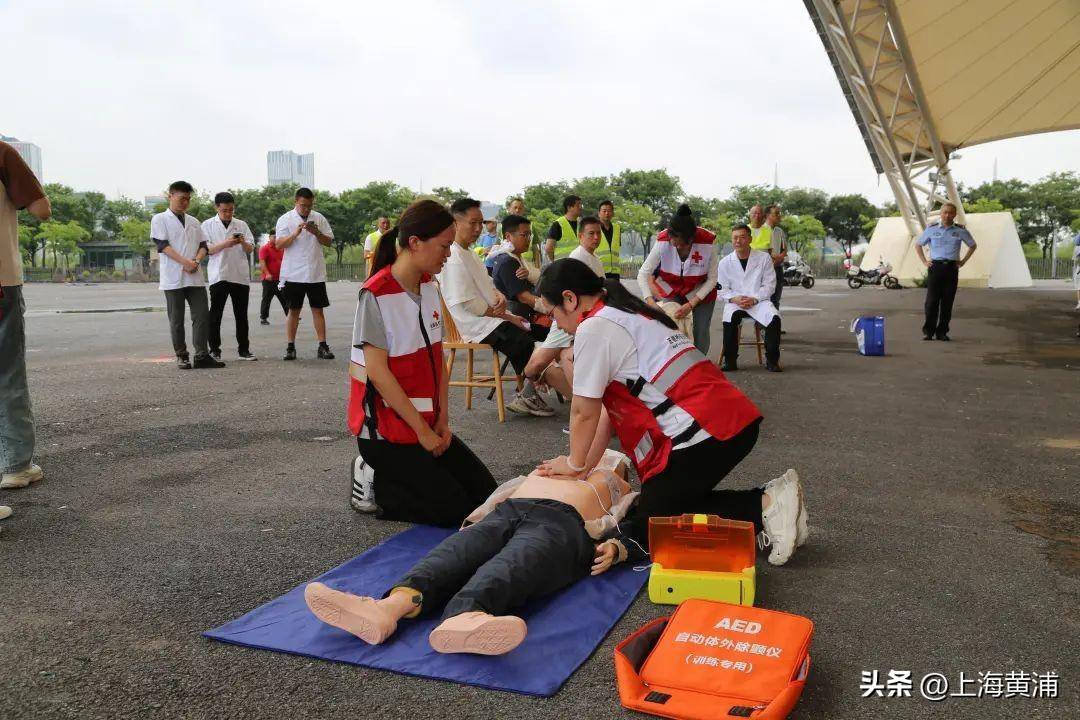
(747, 281)
(303, 233)
(181, 247)
(229, 241)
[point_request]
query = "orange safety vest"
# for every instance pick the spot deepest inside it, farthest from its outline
(677, 277)
(414, 358)
(711, 660)
(668, 361)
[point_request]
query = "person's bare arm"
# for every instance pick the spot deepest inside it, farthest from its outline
(40, 208)
(967, 256)
(584, 420)
(549, 248)
(228, 242)
(922, 255)
(394, 396)
(282, 242)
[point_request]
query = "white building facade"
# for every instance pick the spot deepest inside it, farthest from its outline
(30, 153)
(287, 167)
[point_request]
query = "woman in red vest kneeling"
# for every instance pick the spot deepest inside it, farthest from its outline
(683, 425)
(398, 388)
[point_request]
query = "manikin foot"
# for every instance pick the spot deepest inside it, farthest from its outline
(354, 614)
(478, 633)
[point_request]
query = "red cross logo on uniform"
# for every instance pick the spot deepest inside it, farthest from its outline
(435, 313)
(696, 257)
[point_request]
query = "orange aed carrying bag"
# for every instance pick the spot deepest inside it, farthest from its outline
(712, 660)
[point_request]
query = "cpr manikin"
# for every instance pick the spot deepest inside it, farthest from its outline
(534, 535)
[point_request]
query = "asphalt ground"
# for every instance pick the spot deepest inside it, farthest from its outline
(942, 490)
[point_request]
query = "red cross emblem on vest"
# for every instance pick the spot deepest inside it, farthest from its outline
(696, 257)
(435, 314)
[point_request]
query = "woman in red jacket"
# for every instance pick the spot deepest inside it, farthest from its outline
(682, 423)
(398, 388)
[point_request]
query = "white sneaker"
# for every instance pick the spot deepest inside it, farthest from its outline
(363, 487)
(802, 529)
(5, 512)
(519, 406)
(22, 478)
(782, 518)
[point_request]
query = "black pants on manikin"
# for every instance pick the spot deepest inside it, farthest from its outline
(270, 290)
(238, 294)
(522, 549)
(772, 338)
(412, 485)
(941, 282)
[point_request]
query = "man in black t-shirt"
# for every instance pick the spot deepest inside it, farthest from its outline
(512, 276)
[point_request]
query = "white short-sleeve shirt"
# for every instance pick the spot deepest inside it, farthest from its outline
(303, 261)
(604, 352)
(184, 239)
(231, 264)
(594, 263)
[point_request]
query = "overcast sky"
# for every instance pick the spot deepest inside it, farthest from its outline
(124, 97)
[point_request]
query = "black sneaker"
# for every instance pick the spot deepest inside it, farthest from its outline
(246, 356)
(290, 353)
(264, 321)
(324, 352)
(183, 362)
(927, 337)
(207, 363)
(773, 368)
(943, 338)
(728, 365)
(216, 354)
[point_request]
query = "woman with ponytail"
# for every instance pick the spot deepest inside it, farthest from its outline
(683, 425)
(411, 467)
(681, 270)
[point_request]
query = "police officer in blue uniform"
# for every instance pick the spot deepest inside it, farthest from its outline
(944, 239)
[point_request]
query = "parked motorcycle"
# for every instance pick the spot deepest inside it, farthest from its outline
(857, 277)
(797, 271)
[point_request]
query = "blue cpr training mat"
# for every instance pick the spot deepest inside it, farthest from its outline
(564, 628)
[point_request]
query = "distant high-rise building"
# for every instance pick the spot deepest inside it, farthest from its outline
(285, 166)
(30, 153)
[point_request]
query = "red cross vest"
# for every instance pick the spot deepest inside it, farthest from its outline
(414, 335)
(680, 278)
(669, 362)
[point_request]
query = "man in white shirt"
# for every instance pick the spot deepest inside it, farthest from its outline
(229, 241)
(747, 281)
(589, 234)
(371, 241)
(479, 310)
(302, 233)
(181, 247)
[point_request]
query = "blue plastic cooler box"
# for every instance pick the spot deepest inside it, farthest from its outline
(870, 334)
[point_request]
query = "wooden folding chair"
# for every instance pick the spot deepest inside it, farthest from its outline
(453, 342)
(757, 342)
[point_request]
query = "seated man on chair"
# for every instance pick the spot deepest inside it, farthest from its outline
(747, 281)
(515, 277)
(479, 310)
(533, 536)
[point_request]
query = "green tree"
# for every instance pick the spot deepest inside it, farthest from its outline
(845, 217)
(117, 211)
(28, 244)
(1055, 200)
(639, 219)
(802, 232)
(62, 238)
(447, 194)
(744, 197)
(135, 232)
(804, 201)
(540, 219)
(984, 205)
(593, 191)
(544, 196)
(658, 190)
(354, 212)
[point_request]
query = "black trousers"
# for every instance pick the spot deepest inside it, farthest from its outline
(195, 298)
(270, 290)
(412, 485)
(687, 485)
(772, 338)
(779, 285)
(238, 293)
(514, 343)
(524, 548)
(941, 281)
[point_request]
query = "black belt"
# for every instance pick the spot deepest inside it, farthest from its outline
(945, 262)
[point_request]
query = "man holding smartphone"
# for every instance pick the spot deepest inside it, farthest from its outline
(229, 241)
(303, 233)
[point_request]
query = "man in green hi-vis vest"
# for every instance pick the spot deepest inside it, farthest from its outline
(610, 240)
(562, 237)
(760, 233)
